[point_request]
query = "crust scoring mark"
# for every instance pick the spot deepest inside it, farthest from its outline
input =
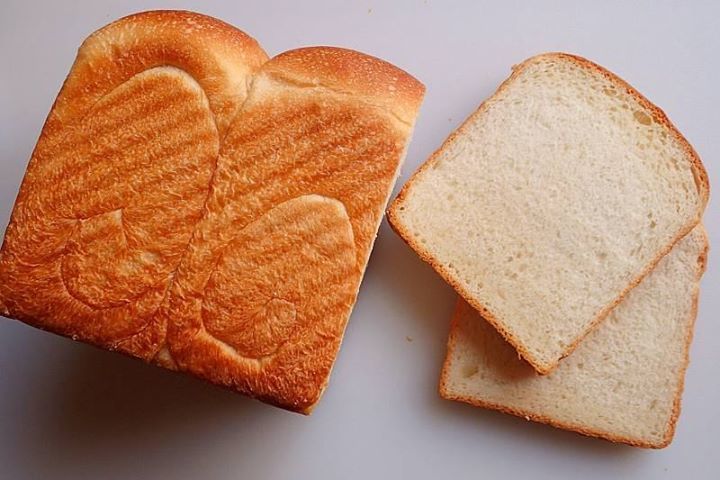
(91, 270)
(265, 292)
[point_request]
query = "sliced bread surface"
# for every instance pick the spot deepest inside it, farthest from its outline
(554, 199)
(623, 382)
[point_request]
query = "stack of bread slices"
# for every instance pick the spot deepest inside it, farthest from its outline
(566, 213)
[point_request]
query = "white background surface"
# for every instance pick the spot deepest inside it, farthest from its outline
(71, 411)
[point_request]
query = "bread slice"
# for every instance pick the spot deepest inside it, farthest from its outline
(552, 201)
(624, 381)
(195, 205)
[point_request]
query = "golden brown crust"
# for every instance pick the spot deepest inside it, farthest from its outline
(268, 318)
(445, 393)
(217, 55)
(136, 77)
(334, 146)
(177, 211)
(699, 173)
(349, 71)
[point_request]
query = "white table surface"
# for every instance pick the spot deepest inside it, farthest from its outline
(70, 411)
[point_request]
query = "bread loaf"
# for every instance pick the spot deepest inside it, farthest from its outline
(195, 205)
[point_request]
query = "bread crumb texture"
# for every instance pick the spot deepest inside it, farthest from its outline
(623, 382)
(551, 201)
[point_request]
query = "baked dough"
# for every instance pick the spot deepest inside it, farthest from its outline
(197, 206)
